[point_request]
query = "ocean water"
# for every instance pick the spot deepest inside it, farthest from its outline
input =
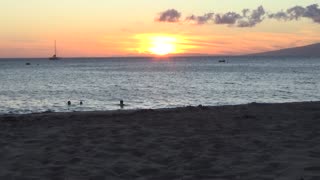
(153, 82)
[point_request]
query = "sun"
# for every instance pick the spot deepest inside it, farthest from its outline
(162, 45)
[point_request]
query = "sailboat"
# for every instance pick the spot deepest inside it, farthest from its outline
(54, 57)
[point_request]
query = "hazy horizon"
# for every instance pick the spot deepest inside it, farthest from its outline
(310, 50)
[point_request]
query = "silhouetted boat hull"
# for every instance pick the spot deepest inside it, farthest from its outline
(54, 57)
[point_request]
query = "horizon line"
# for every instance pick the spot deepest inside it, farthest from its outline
(155, 57)
(128, 56)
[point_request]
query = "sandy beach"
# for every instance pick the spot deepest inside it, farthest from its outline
(254, 141)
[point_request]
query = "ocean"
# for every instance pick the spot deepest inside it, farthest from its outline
(100, 83)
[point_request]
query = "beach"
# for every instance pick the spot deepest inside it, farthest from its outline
(251, 141)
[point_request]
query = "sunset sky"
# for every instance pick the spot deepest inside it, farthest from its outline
(99, 28)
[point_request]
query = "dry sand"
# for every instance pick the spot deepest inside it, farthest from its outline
(255, 141)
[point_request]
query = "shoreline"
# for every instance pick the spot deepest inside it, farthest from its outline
(251, 141)
(124, 111)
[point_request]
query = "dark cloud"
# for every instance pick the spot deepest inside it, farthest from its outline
(248, 18)
(297, 12)
(227, 18)
(206, 18)
(279, 16)
(245, 12)
(313, 12)
(170, 15)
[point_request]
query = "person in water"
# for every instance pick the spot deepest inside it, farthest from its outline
(69, 103)
(121, 103)
(81, 103)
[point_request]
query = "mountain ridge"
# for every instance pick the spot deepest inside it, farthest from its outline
(312, 50)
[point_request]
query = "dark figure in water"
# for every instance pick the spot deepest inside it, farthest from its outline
(121, 104)
(69, 103)
(81, 102)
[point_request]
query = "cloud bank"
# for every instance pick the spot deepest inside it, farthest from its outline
(170, 15)
(247, 18)
(295, 13)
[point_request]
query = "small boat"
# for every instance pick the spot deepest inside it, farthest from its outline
(54, 57)
(222, 61)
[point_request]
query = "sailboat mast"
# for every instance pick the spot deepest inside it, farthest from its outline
(55, 48)
(54, 57)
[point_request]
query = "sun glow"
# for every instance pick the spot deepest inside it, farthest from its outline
(161, 44)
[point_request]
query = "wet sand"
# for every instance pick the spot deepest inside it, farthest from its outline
(254, 141)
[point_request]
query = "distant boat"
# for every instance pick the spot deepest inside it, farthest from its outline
(222, 61)
(54, 57)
